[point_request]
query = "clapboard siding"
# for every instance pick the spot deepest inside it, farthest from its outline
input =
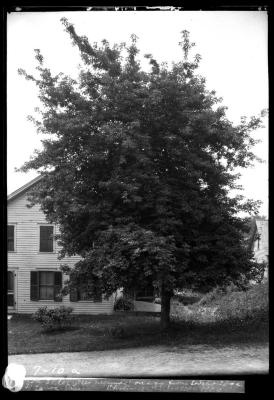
(27, 258)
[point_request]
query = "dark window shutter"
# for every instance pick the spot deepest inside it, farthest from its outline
(74, 295)
(34, 285)
(97, 298)
(97, 294)
(57, 286)
(10, 237)
(10, 281)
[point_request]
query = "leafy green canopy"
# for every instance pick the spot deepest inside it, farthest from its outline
(138, 170)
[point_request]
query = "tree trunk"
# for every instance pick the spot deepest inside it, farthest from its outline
(165, 308)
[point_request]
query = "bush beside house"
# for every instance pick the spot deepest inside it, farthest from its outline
(54, 319)
(123, 303)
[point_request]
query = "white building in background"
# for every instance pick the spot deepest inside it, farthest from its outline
(261, 245)
(261, 242)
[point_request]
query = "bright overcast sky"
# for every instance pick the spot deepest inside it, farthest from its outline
(233, 46)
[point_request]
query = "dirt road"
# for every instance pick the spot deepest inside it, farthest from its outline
(149, 361)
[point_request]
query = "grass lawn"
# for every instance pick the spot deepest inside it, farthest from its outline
(90, 333)
(237, 317)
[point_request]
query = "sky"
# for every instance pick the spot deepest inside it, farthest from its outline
(233, 46)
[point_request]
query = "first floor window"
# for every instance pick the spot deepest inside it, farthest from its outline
(10, 237)
(145, 294)
(86, 291)
(45, 285)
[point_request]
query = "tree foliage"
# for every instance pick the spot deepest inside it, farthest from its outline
(139, 168)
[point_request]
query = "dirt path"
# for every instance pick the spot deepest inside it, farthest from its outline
(148, 361)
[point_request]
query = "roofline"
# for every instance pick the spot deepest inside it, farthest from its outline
(25, 187)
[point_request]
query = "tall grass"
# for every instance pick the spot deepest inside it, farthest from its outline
(252, 304)
(226, 305)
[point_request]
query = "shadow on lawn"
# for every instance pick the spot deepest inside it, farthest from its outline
(122, 334)
(57, 331)
(125, 330)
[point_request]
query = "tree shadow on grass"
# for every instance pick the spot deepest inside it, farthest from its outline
(57, 331)
(100, 334)
(185, 333)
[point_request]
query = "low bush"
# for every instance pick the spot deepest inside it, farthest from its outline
(54, 319)
(192, 314)
(123, 304)
(217, 294)
(40, 314)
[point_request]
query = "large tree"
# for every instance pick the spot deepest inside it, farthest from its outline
(138, 171)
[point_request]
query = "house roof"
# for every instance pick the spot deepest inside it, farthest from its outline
(24, 188)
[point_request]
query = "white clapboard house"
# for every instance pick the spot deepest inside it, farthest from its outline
(34, 276)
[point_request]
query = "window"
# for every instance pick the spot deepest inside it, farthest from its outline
(45, 285)
(84, 295)
(46, 239)
(83, 292)
(145, 294)
(10, 237)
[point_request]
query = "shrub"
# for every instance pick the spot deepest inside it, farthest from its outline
(123, 304)
(40, 314)
(217, 294)
(230, 305)
(193, 314)
(54, 319)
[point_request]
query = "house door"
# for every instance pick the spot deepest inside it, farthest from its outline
(11, 291)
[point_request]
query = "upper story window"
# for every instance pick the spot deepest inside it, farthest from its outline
(11, 245)
(46, 238)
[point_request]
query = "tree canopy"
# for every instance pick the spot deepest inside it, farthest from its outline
(139, 168)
